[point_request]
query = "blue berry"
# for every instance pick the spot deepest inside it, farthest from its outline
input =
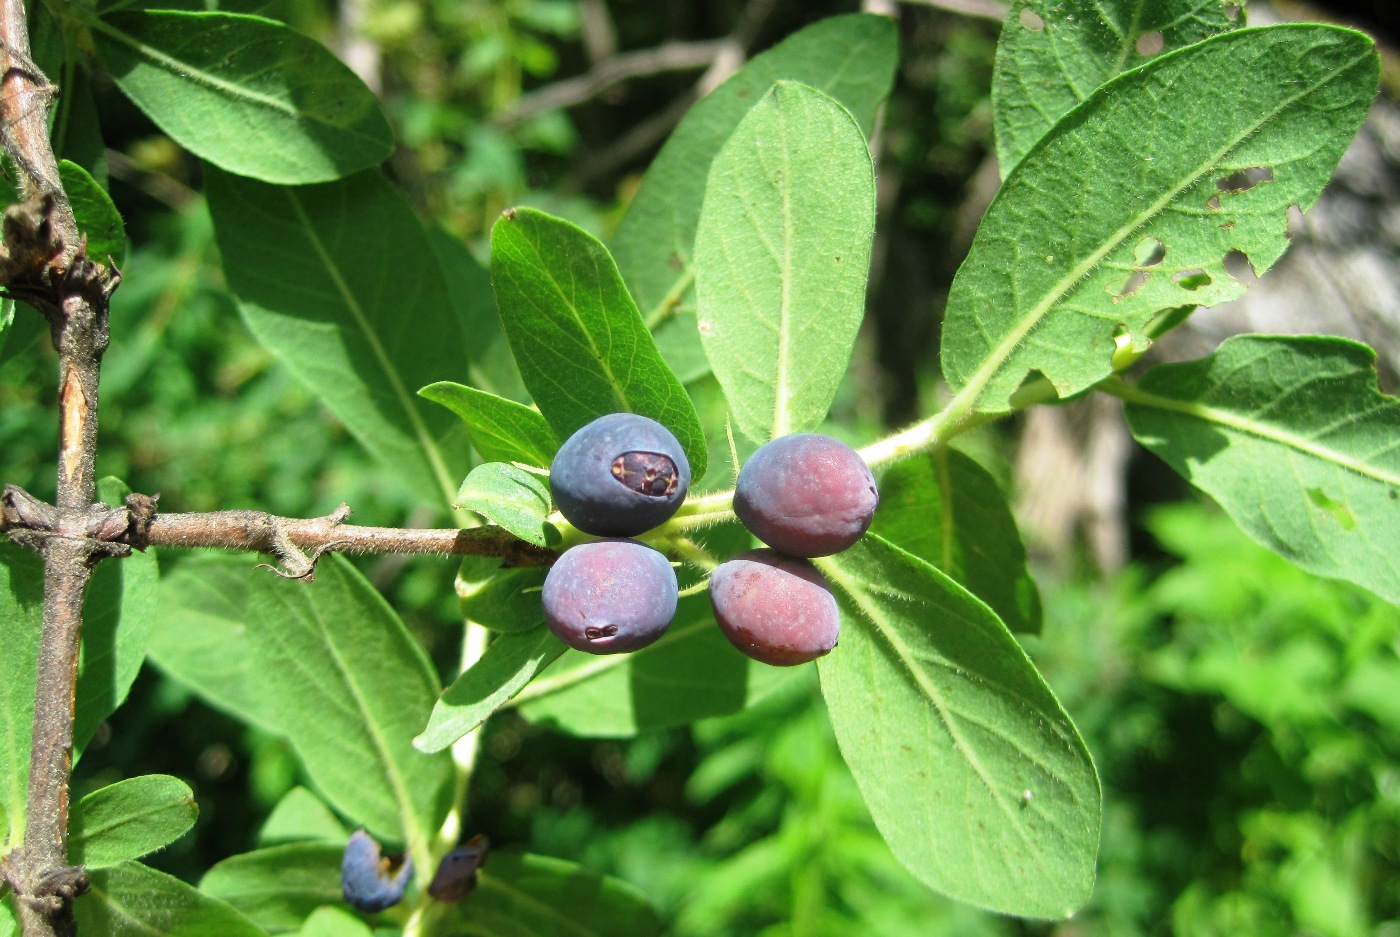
(620, 475)
(610, 596)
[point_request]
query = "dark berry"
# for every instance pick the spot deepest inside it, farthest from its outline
(610, 596)
(620, 475)
(777, 609)
(456, 873)
(806, 495)
(372, 882)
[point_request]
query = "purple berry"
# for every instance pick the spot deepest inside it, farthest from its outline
(776, 609)
(806, 495)
(620, 475)
(456, 873)
(372, 882)
(610, 596)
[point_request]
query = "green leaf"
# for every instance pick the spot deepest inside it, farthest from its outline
(692, 673)
(301, 815)
(21, 612)
(510, 662)
(1054, 53)
(97, 217)
(972, 771)
(576, 333)
(1098, 229)
(352, 688)
(782, 254)
(501, 430)
(525, 895)
(7, 318)
(852, 58)
(505, 600)
(945, 509)
(490, 365)
(278, 887)
(334, 922)
(9, 916)
(340, 282)
(131, 900)
(1293, 439)
(245, 93)
(199, 637)
(129, 819)
(511, 497)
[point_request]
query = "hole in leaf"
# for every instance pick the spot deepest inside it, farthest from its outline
(1192, 279)
(1297, 224)
(1213, 203)
(1031, 20)
(1150, 43)
(1232, 11)
(1339, 511)
(1149, 253)
(1237, 264)
(1131, 285)
(1245, 179)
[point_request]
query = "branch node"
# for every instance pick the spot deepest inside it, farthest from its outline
(18, 508)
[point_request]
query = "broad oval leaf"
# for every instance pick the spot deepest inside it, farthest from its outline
(129, 819)
(1054, 53)
(782, 254)
(1292, 438)
(248, 94)
(949, 512)
(972, 771)
(1117, 214)
(278, 887)
(340, 282)
(501, 430)
(352, 688)
(132, 900)
(852, 58)
(512, 498)
(576, 333)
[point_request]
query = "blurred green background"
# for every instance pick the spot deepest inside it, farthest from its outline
(1244, 716)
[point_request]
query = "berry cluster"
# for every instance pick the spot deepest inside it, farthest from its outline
(803, 495)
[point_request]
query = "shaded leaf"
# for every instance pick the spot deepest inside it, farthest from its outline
(490, 365)
(972, 771)
(945, 509)
(97, 217)
(21, 612)
(577, 336)
(1291, 436)
(1054, 53)
(129, 819)
(782, 254)
(511, 497)
(132, 900)
(509, 664)
(248, 94)
(1097, 229)
(300, 815)
(505, 600)
(501, 430)
(334, 922)
(339, 281)
(278, 887)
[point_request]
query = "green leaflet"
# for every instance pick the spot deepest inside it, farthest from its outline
(501, 430)
(278, 887)
(782, 254)
(329, 921)
(21, 610)
(97, 217)
(945, 509)
(501, 599)
(511, 497)
(1293, 439)
(300, 815)
(247, 94)
(1098, 229)
(129, 819)
(972, 771)
(852, 58)
(576, 334)
(131, 900)
(340, 282)
(1054, 53)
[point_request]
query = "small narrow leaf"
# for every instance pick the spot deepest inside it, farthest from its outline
(248, 94)
(945, 509)
(509, 664)
(972, 771)
(98, 219)
(131, 900)
(129, 819)
(278, 887)
(501, 430)
(1293, 439)
(300, 815)
(576, 333)
(511, 497)
(21, 611)
(1054, 53)
(1131, 203)
(782, 254)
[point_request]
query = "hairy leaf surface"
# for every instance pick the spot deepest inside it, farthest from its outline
(511, 497)
(129, 819)
(973, 772)
(299, 816)
(278, 887)
(133, 900)
(577, 336)
(248, 94)
(1131, 203)
(782, 254)
(1293, 439)
(501, 430)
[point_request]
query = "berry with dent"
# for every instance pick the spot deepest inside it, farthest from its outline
(776, 609)
(372, 882)
(610, 596)
(806, 495)
(620, 475)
